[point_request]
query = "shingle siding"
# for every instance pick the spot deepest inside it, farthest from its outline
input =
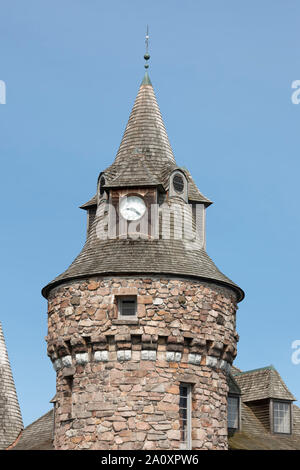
(261, 409)
(10, 415)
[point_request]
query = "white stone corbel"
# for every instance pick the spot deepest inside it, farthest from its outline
(66, 361)
(101, 356)
(82, 358)
(124, 355)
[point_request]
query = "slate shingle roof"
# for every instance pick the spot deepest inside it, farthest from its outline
(144, 157)
(259, 384)
(255, 385)
(10, 415)
(254, 436)
(164, 257)
(145, 130)
(38, 435)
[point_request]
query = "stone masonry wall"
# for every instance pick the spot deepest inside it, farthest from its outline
(118, 380)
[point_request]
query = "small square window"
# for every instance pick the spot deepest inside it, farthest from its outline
(127, 307)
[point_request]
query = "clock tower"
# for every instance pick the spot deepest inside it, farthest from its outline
(141, 326)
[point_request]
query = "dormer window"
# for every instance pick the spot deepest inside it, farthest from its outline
(233, 412)
(178, 185)
(281, 417)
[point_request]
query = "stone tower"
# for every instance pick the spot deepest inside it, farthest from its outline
(141, 328)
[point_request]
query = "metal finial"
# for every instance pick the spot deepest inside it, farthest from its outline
(147, 55)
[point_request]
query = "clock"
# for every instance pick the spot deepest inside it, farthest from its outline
(132, 207)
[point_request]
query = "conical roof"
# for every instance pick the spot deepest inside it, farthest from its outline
(145, 131)
(11, 422)
(144, 158)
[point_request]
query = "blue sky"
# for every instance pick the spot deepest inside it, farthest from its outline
(222, 73)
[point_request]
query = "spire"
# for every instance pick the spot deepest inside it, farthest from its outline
(146, 80)
(11, 422)
(145, 130)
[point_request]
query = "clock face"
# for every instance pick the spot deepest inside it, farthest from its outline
(132, 207)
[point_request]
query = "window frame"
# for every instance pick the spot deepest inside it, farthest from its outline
(186, 445)
(120, 299)
(286, 402)
(238, 397)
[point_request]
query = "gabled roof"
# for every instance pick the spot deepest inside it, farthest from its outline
(10, 415)
(259, 384)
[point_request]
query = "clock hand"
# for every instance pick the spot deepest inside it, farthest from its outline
(137, 212)
(133, 210)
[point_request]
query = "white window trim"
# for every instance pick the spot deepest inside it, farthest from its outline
(290, 416)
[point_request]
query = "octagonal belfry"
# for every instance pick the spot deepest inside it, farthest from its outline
(141, 326)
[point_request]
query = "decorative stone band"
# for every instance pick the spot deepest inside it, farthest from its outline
(143, 346)
(144, 355)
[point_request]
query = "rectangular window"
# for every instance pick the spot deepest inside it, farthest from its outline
(127, 307)
(282, 417)
(233, 412)
(185, 416)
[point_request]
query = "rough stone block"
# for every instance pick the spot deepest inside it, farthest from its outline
(57, 364)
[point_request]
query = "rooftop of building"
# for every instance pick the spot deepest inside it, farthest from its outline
(144, 158)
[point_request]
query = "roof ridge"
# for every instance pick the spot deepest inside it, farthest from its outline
(38, 419)
(271, 367)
